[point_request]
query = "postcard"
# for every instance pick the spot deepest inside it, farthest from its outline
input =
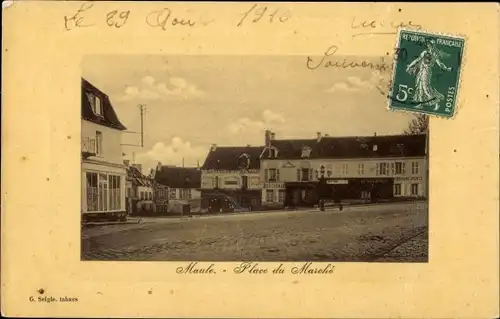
(175, 159)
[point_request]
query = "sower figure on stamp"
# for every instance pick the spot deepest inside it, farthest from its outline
(421, 67)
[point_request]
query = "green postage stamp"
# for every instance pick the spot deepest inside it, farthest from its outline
(426, 73)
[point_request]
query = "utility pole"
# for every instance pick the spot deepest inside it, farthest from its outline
(142, 109)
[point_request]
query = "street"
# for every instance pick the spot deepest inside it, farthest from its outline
(379, 233)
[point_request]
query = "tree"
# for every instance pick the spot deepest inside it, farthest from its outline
(418, 125)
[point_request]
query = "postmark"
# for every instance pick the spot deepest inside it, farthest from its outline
(426, 73)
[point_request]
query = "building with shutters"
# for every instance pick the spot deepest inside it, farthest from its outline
(231, 179)
(361, 168)
(103, 172)
(183, 184)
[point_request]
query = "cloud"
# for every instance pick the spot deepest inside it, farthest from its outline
(342, 86)
(247, 125)
(172, 153)
(355, 84)
(270, 117)
(150, 89)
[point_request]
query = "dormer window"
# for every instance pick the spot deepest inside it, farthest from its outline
(306, 151)
(244, 161)
(95, 103)
(273, 152)
(375, 147)
(98, 105)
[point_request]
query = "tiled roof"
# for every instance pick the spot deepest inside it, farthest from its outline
(134, 175)
(178, 177)
(229, 157)
(352, 147)
(109, 118)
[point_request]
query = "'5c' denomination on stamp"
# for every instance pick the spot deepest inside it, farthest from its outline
(426, 73)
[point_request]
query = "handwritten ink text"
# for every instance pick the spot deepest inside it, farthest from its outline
(163, 18)
(325, 62)
(256, 13)
(369, 27)
(76, 20)
(117, 19)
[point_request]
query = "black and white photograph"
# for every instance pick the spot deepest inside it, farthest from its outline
(249, 158)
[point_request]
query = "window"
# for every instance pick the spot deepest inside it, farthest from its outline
(414, 168)
(244, 181)
(97, 105)
(329, 170)
(345, 169)
(103, 192)
(361, 169)
(397, 189)
(382, 169)
(298, 174)
(270, 195)
(281, 195)
(399, 168)
(98, 143)
(173, 193)
(114, 192)
(306, 151)
(273, 153)
(160, 193)
(216, 182)
(306, 174)
(266, 175)
(185, 193)
(414, 189)
(273, 175)
(92, 192)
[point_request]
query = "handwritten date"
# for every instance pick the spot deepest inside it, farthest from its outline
(77, 20)
(256, 13)
(163, 18)
(117, 19)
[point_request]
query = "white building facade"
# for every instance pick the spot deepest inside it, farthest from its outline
(399, 158)
(103, 172)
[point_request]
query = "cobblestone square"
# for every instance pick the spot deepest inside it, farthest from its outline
(377, 233)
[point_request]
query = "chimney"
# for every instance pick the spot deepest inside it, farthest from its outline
(126, 163)
(267, 137)
(318, 136)
(213, 147)
(273, 136)
(375, 134)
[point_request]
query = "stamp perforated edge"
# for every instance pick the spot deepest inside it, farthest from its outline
(460, 74)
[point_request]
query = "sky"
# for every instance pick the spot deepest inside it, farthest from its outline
(193, 101)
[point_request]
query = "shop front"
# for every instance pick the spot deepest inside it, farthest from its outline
(356, 189)
(221, 201)
(301, 194)
(103, 191)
